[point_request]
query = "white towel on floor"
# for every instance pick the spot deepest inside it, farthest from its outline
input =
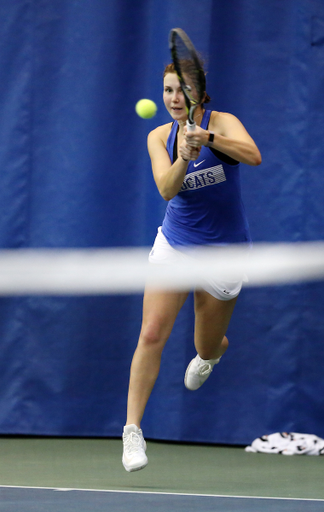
(288, 443)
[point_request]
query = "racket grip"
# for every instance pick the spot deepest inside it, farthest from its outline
(191, 126)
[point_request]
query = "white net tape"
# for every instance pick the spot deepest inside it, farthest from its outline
(110, 271)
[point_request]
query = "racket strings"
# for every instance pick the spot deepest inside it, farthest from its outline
(192, 75)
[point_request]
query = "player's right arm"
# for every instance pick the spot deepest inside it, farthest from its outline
(168, 177)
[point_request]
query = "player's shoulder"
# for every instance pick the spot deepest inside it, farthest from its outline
(160, 133)
(160, 130)
(220, 120)
(221, 116)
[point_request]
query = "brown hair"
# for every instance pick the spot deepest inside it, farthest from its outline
(171, 69)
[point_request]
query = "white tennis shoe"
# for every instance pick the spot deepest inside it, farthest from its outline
(134, 457)
(198, 371)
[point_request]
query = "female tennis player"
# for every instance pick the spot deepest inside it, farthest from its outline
(198, 174)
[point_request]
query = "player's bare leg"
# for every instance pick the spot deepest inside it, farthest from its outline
(160, 310)
(212, 319)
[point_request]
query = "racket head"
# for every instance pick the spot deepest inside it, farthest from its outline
(189, 70)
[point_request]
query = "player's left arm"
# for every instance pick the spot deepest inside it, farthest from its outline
(230, 137)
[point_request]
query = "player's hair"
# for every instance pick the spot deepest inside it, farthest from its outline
(171, 69)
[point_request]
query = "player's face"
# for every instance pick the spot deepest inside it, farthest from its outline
(173, 97)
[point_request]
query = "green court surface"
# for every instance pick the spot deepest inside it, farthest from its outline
(173, 468)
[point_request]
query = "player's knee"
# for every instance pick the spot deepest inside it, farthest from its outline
(152, 336)
(225, 343)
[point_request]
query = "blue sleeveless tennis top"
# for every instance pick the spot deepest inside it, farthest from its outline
(208, 209)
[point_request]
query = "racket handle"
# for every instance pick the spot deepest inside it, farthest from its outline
(191, 126)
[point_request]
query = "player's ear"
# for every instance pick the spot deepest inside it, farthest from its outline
(206, 98)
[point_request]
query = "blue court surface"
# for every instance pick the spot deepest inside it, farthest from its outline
(27, 499)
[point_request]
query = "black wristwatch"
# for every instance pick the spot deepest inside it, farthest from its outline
(211, 137)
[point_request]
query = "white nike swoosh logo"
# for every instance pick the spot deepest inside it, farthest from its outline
(196, 165)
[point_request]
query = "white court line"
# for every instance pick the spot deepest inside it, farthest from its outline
(63, 489)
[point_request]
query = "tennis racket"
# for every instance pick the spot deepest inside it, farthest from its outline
(189, 70)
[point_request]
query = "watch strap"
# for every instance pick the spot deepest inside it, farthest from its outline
(211, 137)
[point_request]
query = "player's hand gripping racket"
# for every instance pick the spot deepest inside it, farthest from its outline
(189, 70)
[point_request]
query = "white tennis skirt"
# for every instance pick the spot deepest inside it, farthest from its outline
(163, 253)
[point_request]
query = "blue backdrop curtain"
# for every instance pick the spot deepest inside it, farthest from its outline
(74, 172)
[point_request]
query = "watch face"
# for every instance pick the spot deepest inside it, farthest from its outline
(211, 137)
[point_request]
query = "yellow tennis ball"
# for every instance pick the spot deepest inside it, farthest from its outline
(146, 109)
